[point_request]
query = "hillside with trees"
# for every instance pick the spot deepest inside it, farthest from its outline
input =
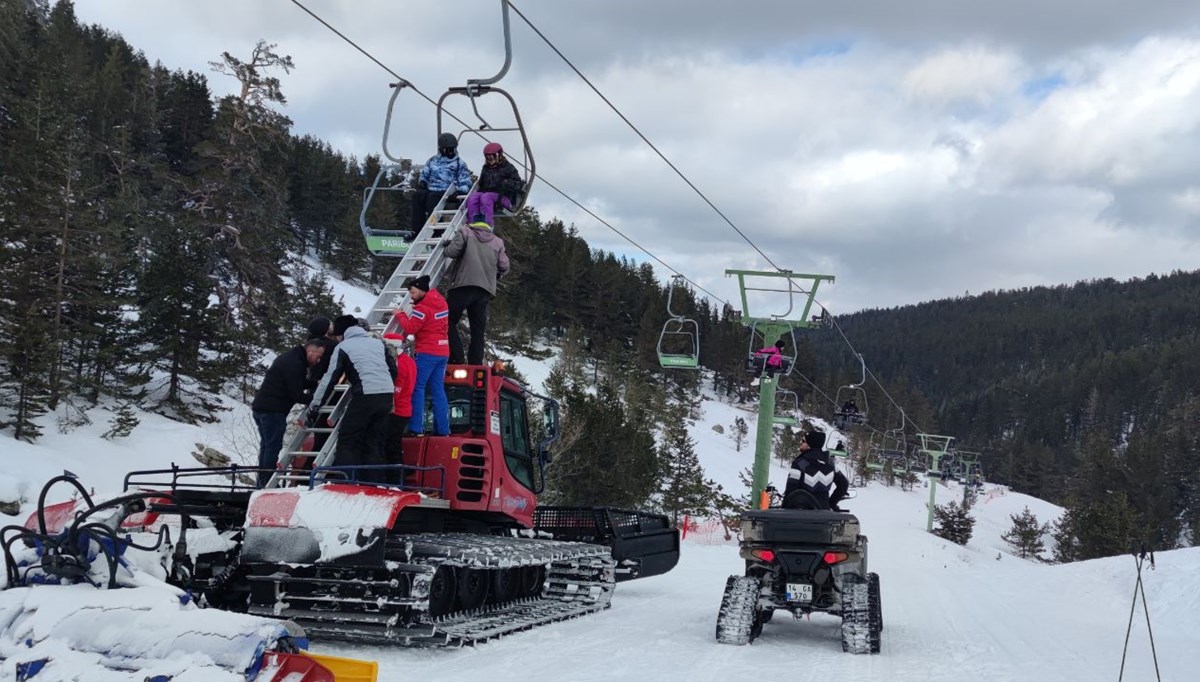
(1083, 394)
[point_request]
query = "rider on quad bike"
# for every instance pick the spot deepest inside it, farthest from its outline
(808, 556)
(813, 476)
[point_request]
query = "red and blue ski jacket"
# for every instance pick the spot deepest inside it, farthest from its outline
(429, 324)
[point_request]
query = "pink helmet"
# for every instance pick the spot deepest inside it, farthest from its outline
(493, 148)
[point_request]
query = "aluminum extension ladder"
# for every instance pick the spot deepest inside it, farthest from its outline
(426, 256)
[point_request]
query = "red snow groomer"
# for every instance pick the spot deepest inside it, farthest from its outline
(453, 550)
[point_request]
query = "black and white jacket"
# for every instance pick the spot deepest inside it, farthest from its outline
(814, 472)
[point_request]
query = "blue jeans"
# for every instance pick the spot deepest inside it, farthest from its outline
(271, 426)
(431, 373)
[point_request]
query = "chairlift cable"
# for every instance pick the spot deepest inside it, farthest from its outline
(695, 189)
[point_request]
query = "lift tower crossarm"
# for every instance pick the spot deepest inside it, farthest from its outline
(935, 447)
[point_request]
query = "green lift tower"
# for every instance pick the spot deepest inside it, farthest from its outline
(764, 288)
(934, 447)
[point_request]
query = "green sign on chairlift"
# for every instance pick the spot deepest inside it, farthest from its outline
(684, 361)
(389, 246)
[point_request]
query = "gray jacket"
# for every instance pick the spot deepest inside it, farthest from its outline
(481, 258)
(365, 361)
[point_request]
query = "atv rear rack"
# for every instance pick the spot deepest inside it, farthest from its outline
(643, 543)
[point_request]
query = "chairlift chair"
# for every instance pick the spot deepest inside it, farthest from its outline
(875, 459)
(787, 404)
(823, 320)
(756, 363)
(846, 417)
(393, 241)
(678, 332)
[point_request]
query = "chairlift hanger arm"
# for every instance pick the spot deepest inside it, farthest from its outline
(387, 122)
(476, 83)
(863, 382)
(676, 281)
(471, 92)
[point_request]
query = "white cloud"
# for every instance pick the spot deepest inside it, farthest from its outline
(973, 74)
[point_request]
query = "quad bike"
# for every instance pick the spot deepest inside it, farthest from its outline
(802, 561)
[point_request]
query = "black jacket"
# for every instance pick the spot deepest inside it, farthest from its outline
(318, 370)
(285, 384)
(503, 179)
(813, 471)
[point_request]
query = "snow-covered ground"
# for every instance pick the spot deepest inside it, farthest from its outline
(951, 613)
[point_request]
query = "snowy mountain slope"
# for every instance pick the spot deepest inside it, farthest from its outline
(951, 613)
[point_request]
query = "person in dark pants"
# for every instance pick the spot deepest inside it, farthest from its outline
(480, 261)
(437, 175)
(285, 384)
(371, 372)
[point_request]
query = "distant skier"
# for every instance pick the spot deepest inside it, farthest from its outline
(371, 372)
(438, 174)
(285, 385)
(480, 260)
(769, 360)
(499, 182)
(814, 473)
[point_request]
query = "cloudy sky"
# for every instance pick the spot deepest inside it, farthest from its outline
(916, 149)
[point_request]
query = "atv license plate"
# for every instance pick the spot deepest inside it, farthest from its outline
(799, 592)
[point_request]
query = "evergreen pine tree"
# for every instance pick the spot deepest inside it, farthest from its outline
(122, 423)
(1025, 535)
(953, 522)
(738, 433)
(684, 488)
(1094, 529)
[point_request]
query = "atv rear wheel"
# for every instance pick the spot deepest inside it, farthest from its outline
(861, 616)
(738, 621)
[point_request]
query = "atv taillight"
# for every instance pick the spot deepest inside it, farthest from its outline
(767, 555)
(832, 558)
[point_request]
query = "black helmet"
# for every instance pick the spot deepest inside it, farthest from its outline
(447, 140)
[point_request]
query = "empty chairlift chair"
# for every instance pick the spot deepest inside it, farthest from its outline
(679, 342)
